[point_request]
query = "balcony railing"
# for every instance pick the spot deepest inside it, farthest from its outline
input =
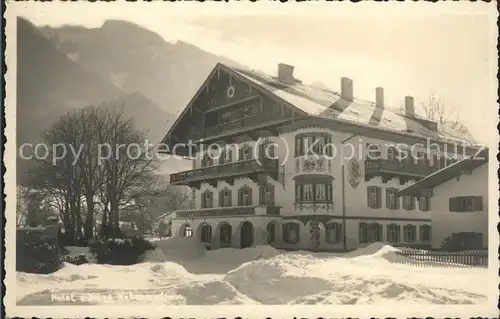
(314, 207)
(242, 124)
(234, 169)
(229, 211)
(395, 167)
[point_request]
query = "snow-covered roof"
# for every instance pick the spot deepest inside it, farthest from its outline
(446, 173)
(325, 103)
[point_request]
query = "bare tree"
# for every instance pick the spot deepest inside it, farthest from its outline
(97, 169)
(434, 110)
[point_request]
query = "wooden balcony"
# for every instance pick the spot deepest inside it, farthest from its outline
(255, 169)
(389, 169)
(229, 211)
(247, 125)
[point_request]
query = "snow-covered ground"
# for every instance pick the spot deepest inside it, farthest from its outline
(181, 272)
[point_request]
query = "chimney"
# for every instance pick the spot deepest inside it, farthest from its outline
(285, 73)
(379, 97)
(346, 90)
(409, 106)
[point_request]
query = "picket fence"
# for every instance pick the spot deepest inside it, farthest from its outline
(446, 258)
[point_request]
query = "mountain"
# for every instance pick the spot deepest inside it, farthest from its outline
(136, 59)
(50, 83)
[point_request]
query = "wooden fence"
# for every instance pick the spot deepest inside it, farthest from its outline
(445, 258)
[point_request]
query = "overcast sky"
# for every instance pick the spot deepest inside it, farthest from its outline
(411, 49)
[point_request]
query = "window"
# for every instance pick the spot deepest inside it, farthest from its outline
(291, 233)
(466, 204)
(373, 151)
(245, 196)
(435, 162)
(424, 203)
(409, 202)
(320, 192)
(374, 197)
(421, 158)
(410, 233)
(317, 192)
(333, 233)
(206, 234)
(308, 192)
(245, 153)
(425, 233)
(267, 195)
(226, 156)
(208, 160)
(319, 145)
(392, 200)
(313, 144)
(393, 233)
(225, 198)
(391, 153)
(187, 231)
(267, 150)
(271, 233)
(207, 199)
(369, 233)
(225, 235)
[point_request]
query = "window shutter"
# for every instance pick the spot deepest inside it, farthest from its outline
(262, 195)
(297, 228)
(328, 146)
(286, 233)
(387, 199)
(339, 232)
(240, 197)
(221, 198)
(297, 146)
(298, 193)
(230, 194)
(452, 204)
(211, 201)
(478, 203)
(368, 197)
(250, 201)
(379, 197)
(271, 189)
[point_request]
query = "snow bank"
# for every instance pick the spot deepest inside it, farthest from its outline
(175, 249)
(181, 272)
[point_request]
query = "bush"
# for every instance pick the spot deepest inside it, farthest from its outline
(120, 251)
(452, 245)
(37, 250)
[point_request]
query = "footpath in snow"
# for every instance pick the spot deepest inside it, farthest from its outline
(181, 271)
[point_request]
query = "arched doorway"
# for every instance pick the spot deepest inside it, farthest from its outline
(246, 234)
(225, 233)
(271, 232)
(206, 233)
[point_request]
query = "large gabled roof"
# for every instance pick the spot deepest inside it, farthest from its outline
(446, 174)
(324, 103)
(321, 103)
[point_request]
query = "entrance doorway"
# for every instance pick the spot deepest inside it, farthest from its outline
(246, 234)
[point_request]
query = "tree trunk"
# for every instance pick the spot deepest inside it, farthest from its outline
(89, 222)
